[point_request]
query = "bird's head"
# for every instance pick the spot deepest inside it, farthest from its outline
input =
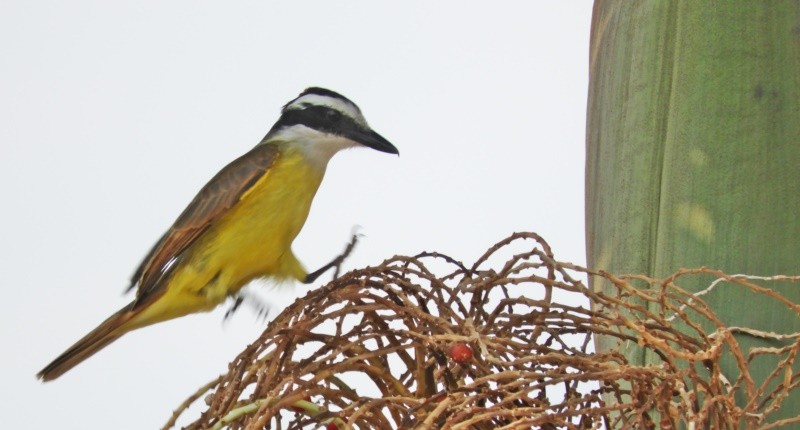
(322, 122)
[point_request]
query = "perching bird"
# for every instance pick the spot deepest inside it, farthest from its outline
(241, 225)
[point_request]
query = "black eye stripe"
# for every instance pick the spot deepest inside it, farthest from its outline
(320, 118)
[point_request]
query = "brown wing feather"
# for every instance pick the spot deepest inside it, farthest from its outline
(213, 201)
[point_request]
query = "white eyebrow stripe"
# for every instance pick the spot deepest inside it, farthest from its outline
(331, 102)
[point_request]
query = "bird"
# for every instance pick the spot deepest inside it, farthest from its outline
(241, 224)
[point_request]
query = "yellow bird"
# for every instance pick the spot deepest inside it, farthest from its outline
(241, 224)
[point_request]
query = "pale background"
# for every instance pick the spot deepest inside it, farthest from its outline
(114, 114)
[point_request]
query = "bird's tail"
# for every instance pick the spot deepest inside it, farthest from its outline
(108, 331)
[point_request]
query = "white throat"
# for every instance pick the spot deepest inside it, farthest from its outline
(318, 147)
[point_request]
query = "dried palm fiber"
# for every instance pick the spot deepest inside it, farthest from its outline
(372, 350)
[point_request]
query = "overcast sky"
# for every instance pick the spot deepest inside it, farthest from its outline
(114, 114)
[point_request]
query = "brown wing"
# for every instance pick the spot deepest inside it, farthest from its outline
(213, 201)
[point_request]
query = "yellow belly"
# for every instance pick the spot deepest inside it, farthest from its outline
(252, 241)
(255, 238)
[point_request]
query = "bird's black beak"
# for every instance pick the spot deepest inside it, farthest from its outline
(373, 140)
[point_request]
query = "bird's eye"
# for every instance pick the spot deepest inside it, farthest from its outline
(333, 115)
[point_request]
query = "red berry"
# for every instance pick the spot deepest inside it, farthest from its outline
(460, 353)
(331, 426)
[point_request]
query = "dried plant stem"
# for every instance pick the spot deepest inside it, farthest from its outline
(374, 350)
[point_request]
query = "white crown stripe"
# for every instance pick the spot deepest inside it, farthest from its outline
(340, 105)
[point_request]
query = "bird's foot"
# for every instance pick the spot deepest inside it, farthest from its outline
(336, 262)
(261, 308)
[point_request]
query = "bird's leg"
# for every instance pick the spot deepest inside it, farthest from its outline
(262, 309)
(336, 262)
(237, 301)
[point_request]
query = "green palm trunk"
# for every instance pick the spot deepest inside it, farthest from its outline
(693, 149)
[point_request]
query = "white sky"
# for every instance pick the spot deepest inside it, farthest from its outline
(114, 114)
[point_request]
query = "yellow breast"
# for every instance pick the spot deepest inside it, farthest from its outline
(252, 240)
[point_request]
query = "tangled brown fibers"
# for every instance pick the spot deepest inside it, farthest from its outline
(506, 343)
